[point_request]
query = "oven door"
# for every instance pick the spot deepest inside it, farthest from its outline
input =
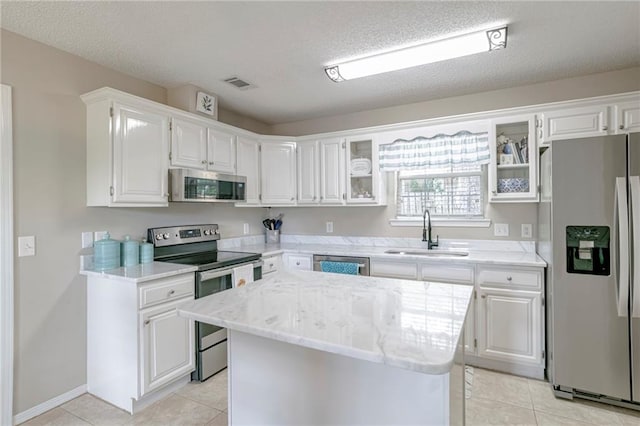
(211, 340)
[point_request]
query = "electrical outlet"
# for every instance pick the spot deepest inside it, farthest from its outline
(87, 239)
(527, 230)
(26, 246)
(97, 236)
(501, 229)
(329, 227)
(245, 229)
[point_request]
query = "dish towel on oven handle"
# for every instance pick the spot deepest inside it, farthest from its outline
(242, 275)
(339, 267)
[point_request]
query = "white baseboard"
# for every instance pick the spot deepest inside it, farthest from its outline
(533, 371)
(48, 405)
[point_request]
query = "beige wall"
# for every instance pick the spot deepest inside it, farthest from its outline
(375, 221)
(607, 83)
(49, 192)
(49, 168)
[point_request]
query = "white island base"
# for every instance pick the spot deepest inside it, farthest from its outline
(277, 383)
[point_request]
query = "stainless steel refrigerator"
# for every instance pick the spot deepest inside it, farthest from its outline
(589, 234)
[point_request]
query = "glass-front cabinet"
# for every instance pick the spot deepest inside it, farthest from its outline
(364, 183)
(513, 169)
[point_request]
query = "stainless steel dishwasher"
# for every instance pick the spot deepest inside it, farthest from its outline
(363, 262)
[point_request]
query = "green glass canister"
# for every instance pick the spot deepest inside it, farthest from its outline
(130, 252)
(146, 252)
(106, 253)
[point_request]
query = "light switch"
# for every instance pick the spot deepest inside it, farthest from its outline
(26, 246)
(245, 229)
(97, 236)
(527, 230)
(501, 229)
(87, 239)
(329, 227)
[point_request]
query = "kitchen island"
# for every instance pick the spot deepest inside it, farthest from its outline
(317, 348)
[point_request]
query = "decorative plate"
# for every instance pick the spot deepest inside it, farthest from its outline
(513, 185)
(360, 166)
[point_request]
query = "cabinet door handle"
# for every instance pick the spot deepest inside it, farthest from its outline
(509, 278)
(484, 296)
(605, 128)
(271, 265)
(211, 163)
(621, 127)
(172, 292)
(147, 322)
(204, 161)
(292, 198)
(297, 263)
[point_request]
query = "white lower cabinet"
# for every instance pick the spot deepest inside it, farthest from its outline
(394, 269)
(167, 346)
(509, 325)
(504, 328)
(138, 348)
(303, 262)
(271, 264)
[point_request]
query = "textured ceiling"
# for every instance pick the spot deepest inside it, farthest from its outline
(282, 47)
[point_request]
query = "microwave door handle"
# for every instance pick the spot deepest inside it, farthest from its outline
(621, 231)
(634, 182)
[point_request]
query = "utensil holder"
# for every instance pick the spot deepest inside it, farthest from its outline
(272, 237)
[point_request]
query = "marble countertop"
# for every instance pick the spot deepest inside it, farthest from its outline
(407, 324)
(142, 272)
(485, 256)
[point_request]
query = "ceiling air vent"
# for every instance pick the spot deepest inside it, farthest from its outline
(240, 84)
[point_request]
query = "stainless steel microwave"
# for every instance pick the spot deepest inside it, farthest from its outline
(187, 185)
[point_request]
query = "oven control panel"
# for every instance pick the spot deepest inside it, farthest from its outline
(173, 235)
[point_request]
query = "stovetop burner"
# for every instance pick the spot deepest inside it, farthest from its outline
(194, 245)
(213, 259)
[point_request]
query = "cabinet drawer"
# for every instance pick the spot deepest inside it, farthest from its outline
(448, 274)
(270, 264)
(166, 289)
(299, 261)
(510, 278)
(394, 269)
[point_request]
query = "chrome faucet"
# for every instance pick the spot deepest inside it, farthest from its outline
(426, 231)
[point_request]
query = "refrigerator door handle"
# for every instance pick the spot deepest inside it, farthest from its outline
(621, 231)
(634, 182)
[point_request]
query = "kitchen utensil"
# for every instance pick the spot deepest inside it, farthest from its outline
(278, 224)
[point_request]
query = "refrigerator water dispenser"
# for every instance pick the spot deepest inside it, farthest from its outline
(588, 250)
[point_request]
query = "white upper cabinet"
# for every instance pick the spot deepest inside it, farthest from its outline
(627, 117)
(364, 184)
(221, 152)
(332, 171)
(248, 155)
(196, 146)
(188, 144)
(513, 175)
(571, 123)
(278, 173)
(127, 152)
(308, 171)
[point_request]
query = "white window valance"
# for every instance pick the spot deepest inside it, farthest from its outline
(462, 148)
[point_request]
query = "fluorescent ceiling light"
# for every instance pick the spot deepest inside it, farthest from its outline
(439, 50)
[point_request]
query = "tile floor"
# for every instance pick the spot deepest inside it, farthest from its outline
(496, 399)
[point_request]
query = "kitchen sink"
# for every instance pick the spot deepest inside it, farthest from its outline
(429, 253)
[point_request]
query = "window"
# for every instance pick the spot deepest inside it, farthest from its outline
(444, 191)
(444, 173)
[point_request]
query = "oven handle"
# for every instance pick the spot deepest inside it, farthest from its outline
(208, 275)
